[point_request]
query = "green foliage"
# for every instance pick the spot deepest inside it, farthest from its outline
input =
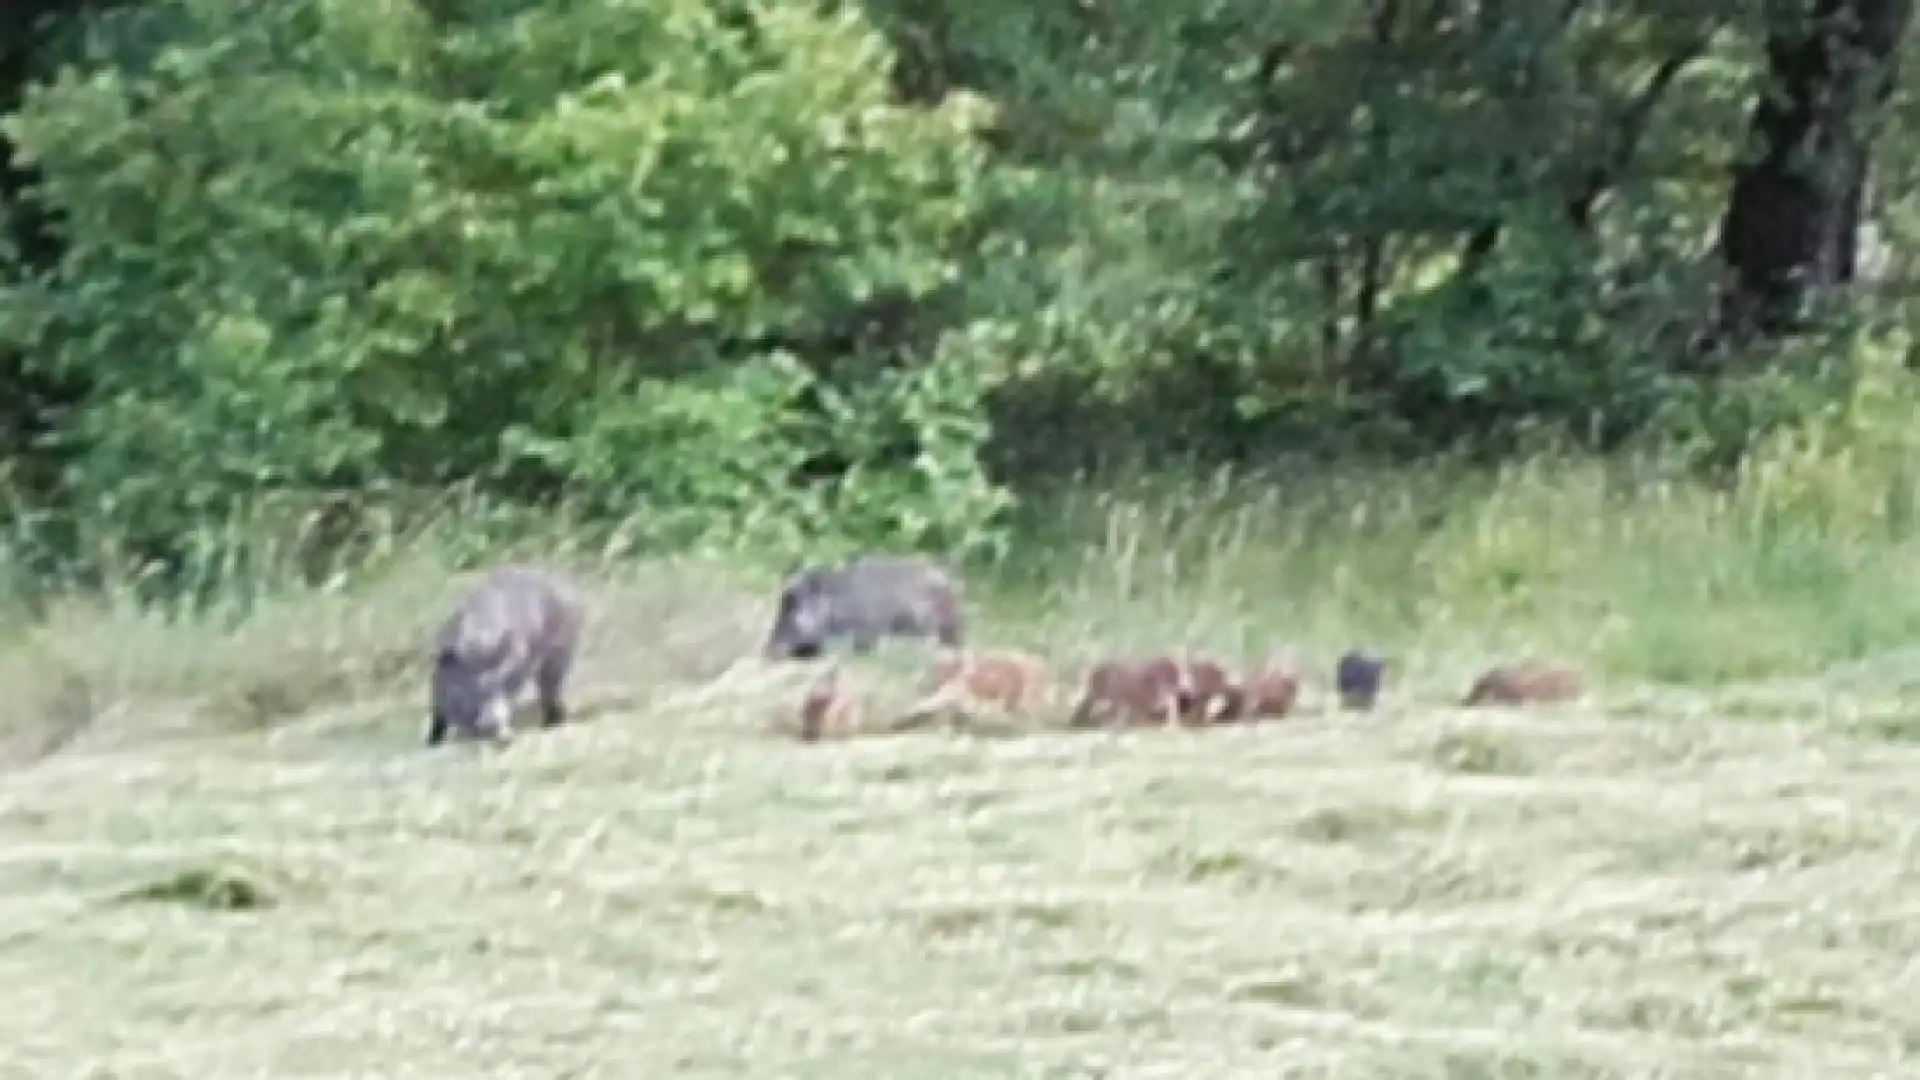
(1389, 226)
(1481, 213)
(1847, 472)
(797, 278)
(325, 245)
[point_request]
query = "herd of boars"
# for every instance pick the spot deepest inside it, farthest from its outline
(521, 627)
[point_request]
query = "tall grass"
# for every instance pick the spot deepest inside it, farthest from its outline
(1804, 561)
(1617, 566)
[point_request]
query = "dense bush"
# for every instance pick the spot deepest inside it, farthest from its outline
(579, 250)
(789, 275)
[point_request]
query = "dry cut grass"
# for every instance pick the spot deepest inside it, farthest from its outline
(1670, 885)
(241, 862)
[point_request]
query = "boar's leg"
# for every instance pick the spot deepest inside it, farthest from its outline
(437, 728)
(1085, 714)
(1171, 705)
(549, 682)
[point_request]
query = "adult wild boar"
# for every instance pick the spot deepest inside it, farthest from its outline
(872, 597)
(519, 624)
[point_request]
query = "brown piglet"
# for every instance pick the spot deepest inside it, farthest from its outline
(1211, 696)
(1137, 692)
(831, 709)
(1531, 683)
(1271, 691)
(1006, 680)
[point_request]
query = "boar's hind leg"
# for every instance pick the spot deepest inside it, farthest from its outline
(550, 682)
(437, 728)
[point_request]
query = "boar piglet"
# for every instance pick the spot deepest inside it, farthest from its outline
(1270, 692)
(1531, 683)
(1005, 679)
(1135, 692)
(831, 708)
(1209, 694)
(1357, 678)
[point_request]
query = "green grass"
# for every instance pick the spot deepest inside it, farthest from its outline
(240, 862)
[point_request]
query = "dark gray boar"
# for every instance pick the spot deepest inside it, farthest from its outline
(520, 623)
(872, 597)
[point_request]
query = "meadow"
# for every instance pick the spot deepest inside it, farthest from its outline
(223, 852)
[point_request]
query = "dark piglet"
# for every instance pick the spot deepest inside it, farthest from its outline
(520, 624)
(1357, 678)
(870, 598)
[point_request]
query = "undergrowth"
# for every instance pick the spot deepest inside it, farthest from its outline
(1624, 567)
(1586, 892)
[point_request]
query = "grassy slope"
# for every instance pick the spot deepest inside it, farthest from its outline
(1667, 882)
(1412, 895)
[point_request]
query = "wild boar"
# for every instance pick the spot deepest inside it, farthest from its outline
(519, 624)
(870, 598)
(1270, 692)
(1357, 678)
(831, 709)
(1209, 694)
(1136, 692)
(1007, 680)
(1529, 683)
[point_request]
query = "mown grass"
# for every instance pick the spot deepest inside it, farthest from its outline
(240, 861)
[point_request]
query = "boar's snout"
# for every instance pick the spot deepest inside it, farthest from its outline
(781, 648)
(797, 626)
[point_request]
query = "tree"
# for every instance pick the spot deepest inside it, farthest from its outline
(323, 245)
(1794, 213)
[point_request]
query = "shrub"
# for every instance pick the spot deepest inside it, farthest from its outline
(587, 249)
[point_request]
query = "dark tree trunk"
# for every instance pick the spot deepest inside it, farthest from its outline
(1332, 290)
(1790, 221)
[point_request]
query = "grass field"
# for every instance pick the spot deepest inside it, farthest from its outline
(244, 864)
